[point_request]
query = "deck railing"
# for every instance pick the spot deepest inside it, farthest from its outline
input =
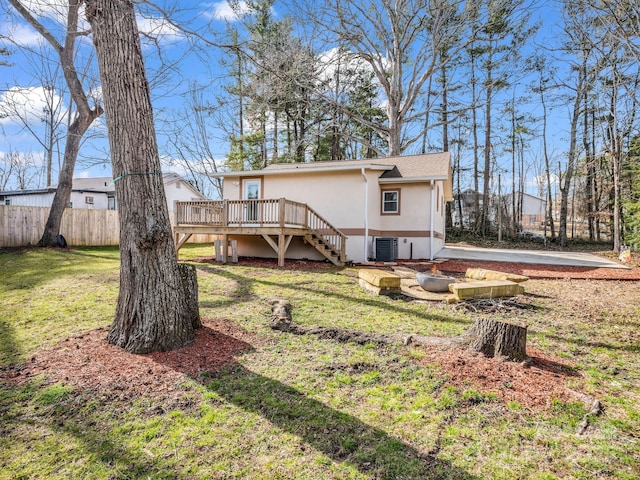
(281, 213)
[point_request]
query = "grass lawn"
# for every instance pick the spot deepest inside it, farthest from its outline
(299, 407)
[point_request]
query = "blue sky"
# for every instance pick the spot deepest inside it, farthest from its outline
(23, 99)
(22, 81)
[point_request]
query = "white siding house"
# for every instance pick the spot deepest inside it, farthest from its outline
(98, 193)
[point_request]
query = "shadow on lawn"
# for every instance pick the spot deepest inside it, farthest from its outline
(9, 347)
(341, 437)
(247, 281)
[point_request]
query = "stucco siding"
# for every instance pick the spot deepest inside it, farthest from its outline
(254, 246)
(339, 196)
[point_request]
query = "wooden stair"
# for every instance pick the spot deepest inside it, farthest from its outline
(325, 248)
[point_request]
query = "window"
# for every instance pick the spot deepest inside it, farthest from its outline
(7, 201)
(391, 202)
(88, 200)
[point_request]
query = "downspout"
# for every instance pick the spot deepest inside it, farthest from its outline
(366, 216)
(432, 219)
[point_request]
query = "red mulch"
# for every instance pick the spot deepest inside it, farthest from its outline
(533, 386)
(544, 271)
(88, 362)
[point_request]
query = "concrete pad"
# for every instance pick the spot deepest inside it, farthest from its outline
(542, 257)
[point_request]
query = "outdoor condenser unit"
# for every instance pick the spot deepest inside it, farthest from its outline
(386, 249)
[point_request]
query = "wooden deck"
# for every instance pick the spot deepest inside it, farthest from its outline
(277, 221)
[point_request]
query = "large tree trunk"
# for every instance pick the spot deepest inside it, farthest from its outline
(155, 309)
(494, 338)
(65, 179)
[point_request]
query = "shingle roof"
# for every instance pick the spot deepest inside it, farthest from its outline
(411, 166)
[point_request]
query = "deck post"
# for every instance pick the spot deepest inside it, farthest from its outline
(281, 249)
(225, 213)
(225, 248)
(281, 212)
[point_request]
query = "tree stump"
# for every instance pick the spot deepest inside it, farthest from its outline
(495, 338)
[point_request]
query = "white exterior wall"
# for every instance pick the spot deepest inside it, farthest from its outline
(179, 191)
(413, 225)
(532, 205)
(32, 200)
(78, 200)
(340, 198)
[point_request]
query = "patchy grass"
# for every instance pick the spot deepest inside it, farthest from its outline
(303, 408)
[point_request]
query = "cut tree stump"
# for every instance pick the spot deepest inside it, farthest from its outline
(495, 338)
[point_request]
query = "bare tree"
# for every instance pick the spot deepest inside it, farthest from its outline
(157, 306)
(18, 170)
(541, 88)
(32, 106)
(193, 146)
(82, 119)
(577, 42)
(401, 41)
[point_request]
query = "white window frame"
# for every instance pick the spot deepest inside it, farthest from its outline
(384, 207)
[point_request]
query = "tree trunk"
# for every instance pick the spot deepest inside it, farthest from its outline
(85, 115)
(65, 179)
(157, 303)
(494, 338)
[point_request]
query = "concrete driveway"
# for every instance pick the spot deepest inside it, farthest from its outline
(541, 257)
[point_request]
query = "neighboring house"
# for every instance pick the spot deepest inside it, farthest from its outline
(533, 208)
(98, 193)
(388, 208)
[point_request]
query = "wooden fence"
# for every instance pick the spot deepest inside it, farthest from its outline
(21, 226)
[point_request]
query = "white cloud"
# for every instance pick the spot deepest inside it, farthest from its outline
(223, 11)
(27, 104)
(53, 9)
(23, 35)
(159, 28)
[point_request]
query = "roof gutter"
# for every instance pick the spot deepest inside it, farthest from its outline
(292, 170)
(366, 215)
(432, 218)
(413, 179)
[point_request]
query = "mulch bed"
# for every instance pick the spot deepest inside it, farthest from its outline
(544, 271)
(87, 362)
(532, 386)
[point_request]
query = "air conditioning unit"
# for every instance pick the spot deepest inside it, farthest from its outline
(386, 249)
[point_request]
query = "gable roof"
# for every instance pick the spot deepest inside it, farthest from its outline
(99, 185)
(432, 166)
